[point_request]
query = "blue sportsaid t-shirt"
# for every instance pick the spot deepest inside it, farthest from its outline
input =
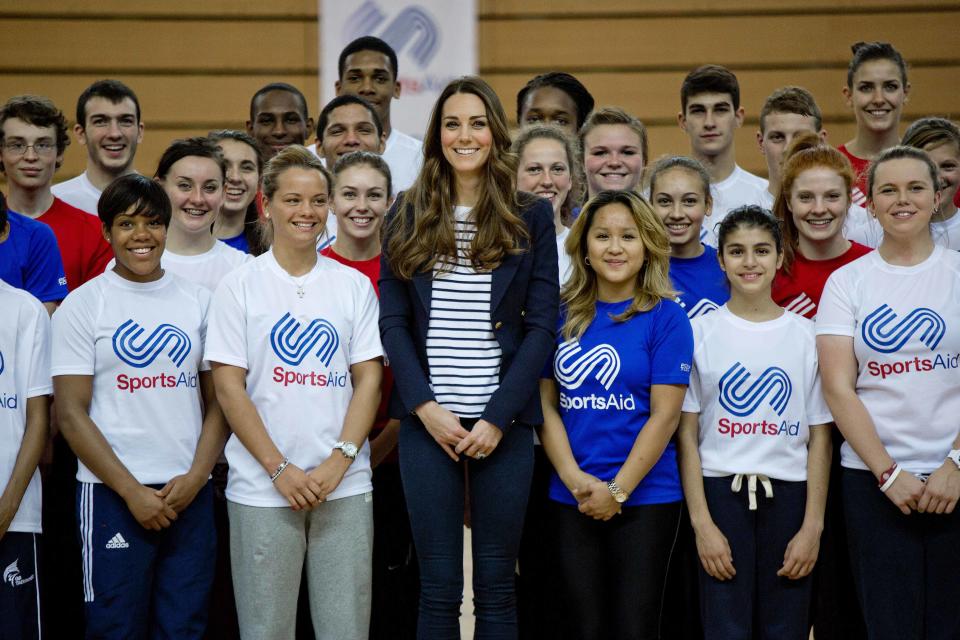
(604, 380)
(700, 281)
(30, 259)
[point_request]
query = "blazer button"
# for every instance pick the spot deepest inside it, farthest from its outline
(498, 325)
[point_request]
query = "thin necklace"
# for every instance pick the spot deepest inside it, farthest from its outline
(300, 283)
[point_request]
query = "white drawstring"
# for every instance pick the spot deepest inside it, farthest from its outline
(752, 486)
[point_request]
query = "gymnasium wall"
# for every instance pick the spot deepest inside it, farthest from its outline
(195, 64)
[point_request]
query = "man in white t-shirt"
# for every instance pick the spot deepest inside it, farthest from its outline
(710, 115)
(368, 68)
(108, 125)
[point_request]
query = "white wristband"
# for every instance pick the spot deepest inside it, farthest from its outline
(893, 476)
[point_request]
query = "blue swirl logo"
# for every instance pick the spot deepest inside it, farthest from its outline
(292, 343)
(884, 334)
(1, 362)
(573, 366)
(139, 353)
(413, 26)
(741, 397)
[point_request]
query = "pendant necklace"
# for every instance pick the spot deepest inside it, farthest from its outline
(303, 281)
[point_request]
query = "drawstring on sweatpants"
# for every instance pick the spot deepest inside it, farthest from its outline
(752, 478)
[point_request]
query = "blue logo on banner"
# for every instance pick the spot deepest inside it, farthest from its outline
(412, 24)
(293, 345)
(741, 399)
(166, 336)
(572, 367)
(881, 335)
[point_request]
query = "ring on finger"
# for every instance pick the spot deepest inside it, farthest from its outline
(480, 455)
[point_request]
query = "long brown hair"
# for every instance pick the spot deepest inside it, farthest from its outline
(805, 152)
(579, 294)
(422, 230)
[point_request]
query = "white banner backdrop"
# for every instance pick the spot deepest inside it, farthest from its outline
(435, 41)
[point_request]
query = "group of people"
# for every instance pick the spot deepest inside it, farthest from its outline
(670, 399)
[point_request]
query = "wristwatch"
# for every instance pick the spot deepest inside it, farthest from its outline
(954, 456)
(348, 449)
(618, 494)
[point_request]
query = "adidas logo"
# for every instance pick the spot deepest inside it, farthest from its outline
(117, 542)
(803, 305)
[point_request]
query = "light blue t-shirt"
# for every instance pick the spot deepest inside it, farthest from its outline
(604, 380)
(700, 282)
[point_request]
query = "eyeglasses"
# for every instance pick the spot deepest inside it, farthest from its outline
(41, 148)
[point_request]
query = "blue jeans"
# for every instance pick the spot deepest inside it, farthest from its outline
(434, 486)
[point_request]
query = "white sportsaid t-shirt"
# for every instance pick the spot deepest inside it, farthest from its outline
(206, 269)
(757, 389)
(24, 373)
(78, 192)
(297, 352)
(738, 189)
(143, 345)
(905, 325)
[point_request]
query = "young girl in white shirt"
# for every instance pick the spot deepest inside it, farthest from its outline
(888, 340)
(754, 445)
(297, 364)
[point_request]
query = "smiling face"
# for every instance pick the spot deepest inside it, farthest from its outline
(903, 197)
(544, 170)
(349, 128)
(711, 121)
(298, 209)
(678, 199)
(360, 201)
(278, 122)
(194, 185)
(947, 158)
(111, 134)
(137, 241)
(368, 74)
(465, 135)
(877, 95)
(242, 176)
(550, 105)
(750, 259)
(29, 169)
(778, 132)
(612, 157)
(818, 201)
(615, 251)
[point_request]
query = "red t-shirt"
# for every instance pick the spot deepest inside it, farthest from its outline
(801, 290)
(371, 269)
(84, 251)
(859, 195)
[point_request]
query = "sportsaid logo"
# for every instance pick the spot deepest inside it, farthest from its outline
(7, 401)
(138, 351)
(701, 308)
(292, 343)
(742, 396)
(884, 332)
(572, 367)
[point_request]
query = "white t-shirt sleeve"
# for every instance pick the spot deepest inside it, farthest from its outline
(74, 342)
(39, 383)
(365, 343)
(204, 298)
(691, 401)
(836, 315)
(817, 410)
(226, 328)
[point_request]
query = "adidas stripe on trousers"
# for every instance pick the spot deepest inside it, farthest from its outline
(139, 583)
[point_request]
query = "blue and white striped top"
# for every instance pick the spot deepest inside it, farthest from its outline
(462, 352)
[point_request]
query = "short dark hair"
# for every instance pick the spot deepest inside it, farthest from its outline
(367, 43)
(341, 101)
(145, 197)
(38, 111)
(750, 216)
(189, 147)
(709, 78)
(791, 100)
(279, 86)
(867, 51)
(564, 82)
(113, 90)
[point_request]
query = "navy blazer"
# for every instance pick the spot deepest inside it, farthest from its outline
(524, 303)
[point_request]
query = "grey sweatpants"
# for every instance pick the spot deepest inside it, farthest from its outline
(268, 546)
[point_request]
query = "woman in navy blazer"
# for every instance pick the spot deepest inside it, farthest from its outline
(468, 309)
